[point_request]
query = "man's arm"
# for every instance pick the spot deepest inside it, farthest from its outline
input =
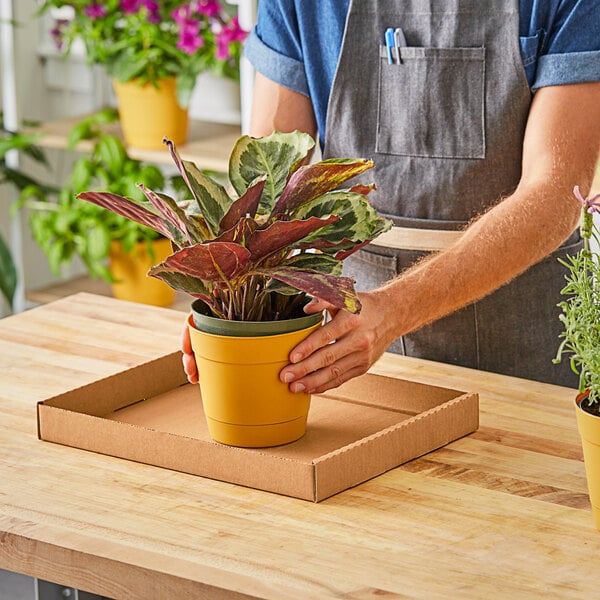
(561, 146)
(277, 108)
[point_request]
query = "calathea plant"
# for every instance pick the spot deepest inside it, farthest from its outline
(256, 255)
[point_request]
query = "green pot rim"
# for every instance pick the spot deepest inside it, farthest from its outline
(217, 326)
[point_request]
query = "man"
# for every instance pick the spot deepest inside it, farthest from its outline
(480, 115)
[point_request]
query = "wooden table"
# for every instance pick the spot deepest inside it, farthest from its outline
(502, 513)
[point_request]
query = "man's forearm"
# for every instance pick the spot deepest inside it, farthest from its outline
(504, 242)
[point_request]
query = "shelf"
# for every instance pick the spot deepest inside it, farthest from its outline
(209, 144)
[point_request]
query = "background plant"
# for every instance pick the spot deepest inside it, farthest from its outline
(282, 235)
(581, 310)
(150, 40)
(65, 227)
(25, 144)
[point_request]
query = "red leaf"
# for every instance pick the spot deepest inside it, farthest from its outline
(213, 261)
(282, 234)
(239, 233)
(129, 209)
(338, 291)
(244, 205)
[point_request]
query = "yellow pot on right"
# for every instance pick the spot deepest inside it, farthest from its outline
(589, 430)
(244, 401)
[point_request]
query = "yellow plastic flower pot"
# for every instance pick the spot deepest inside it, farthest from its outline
(148, 114)
(130, 272)
(244, 401)
(589, 430)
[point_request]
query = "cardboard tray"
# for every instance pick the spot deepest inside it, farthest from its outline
(150, 414)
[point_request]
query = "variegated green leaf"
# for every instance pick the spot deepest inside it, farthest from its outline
(358, 220)
(323, 263)
(277, 156)
(212, 198)
(312, 181)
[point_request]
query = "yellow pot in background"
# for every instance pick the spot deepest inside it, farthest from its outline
(244, 401)
(148, 114)
(589, 430)
(129, 271)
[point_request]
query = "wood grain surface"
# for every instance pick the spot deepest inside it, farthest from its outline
(501, 513)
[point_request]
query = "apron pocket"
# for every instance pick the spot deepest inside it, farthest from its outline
(443, 89)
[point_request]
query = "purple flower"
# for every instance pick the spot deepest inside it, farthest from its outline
(189, 37)
(210, 8)
(182, 14)
(95, 10)
(58, 32)
(131, 7)
(590, 204)
(229, 33)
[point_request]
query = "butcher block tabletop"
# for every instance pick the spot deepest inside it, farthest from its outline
(501, 513)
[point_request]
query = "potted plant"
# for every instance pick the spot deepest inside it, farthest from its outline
(581, 340)
(251, 261)
(154, 52)
(111, 247)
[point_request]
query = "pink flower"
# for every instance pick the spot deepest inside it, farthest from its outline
(189, 37)
(58, 32)
(182, 14)
(131, 7)
(210, 8)
(590, 203)
(228, 34)
(95, 10)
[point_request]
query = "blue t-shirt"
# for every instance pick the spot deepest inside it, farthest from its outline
(560, 44)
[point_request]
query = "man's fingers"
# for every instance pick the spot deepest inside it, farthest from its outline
(188, 360)
(320, 338)
(189, 366)
(186, 342)
(332, 376)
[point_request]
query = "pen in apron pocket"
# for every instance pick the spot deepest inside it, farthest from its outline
(389, 44)
(399, 42)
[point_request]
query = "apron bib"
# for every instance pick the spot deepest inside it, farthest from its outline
(444, 124)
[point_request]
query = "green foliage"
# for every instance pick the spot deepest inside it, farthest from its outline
(25, 144)
(275, 156)
(581, 311)
(66, 227)
(8, 273)
(255, 256)
(152, 41)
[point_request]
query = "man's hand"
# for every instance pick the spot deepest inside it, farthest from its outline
(189, 362)
(317, 364)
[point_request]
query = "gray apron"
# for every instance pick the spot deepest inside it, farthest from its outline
(445, 124)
